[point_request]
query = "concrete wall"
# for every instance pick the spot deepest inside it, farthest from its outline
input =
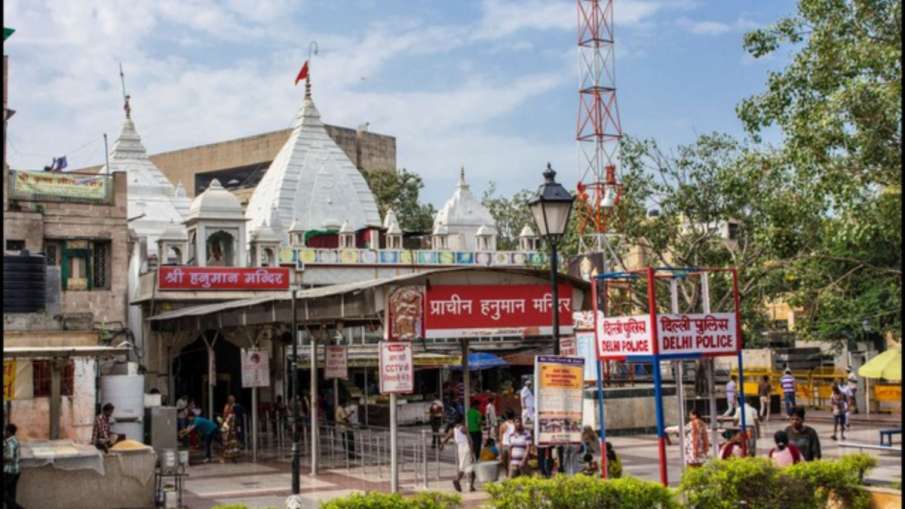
(378, 152)
(35, 222)
(128, 482)
(631, 410)
(32, 416)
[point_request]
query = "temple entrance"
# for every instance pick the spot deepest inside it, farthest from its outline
(191, 377)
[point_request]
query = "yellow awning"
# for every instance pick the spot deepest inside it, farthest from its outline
(887, 365)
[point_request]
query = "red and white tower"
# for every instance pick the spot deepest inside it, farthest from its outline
(598, 129)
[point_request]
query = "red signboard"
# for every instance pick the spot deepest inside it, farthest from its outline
(495, 310)
(222, 278)
(697, 333)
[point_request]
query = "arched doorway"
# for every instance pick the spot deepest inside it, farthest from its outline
(190, 371)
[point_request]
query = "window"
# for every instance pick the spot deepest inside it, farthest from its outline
(733, 231)
(86, 265)
(52, 252)
(42, 374)
(101, 265)
(15, 245)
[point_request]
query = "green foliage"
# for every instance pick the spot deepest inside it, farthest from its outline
(578, 492)
(697, 190)
(399, 190)
(839, 107)
(377, 500)
(511, 215)
(756, 483)
(740, 482)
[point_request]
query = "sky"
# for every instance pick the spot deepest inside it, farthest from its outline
(490, 85)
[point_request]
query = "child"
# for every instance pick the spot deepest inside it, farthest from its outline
(613, 465)
(784, 454)
(590, 468)
(489, 452)
(839, 403)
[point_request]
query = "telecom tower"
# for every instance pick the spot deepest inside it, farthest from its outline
(598, 128)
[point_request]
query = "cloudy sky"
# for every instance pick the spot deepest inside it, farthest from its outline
(488, 84)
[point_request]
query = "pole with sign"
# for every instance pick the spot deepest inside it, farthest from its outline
(255, 373)
(674, 336)
(396, 377)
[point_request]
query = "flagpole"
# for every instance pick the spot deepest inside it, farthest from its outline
(106, 154)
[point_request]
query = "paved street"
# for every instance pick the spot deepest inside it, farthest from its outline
(266, 484)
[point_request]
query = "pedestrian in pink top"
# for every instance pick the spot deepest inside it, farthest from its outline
(784, 454)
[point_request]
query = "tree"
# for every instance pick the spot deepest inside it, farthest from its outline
(697, 191)
(400, 190)
(838, 105)
(510, 214)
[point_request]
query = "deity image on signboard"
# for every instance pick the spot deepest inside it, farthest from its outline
(405, 305)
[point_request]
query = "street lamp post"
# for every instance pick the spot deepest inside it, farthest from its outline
(551, 207)
(296, 399)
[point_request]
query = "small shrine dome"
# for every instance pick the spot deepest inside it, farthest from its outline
(174, 232)
(462, 216)
(216, 203)
(263, 233)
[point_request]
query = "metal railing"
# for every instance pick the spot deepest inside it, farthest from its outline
(365, 449)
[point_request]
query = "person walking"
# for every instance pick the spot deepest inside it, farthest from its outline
(785, 453)
(803, 437)
(351, 411)
(697, 447)
(519, 443)
(526, 398)
(853, 387)
(464, 454)
(846, 390)
(11, 466)
(731, 396)
(788, 391)
(839, 404)
(435, 415)
(474, 421)
(341, 419)
(507, 428)
(764, 389)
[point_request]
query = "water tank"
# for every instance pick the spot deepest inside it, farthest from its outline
(24, 283)
(127, 393)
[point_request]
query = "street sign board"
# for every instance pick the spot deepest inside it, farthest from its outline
(396, 368)
(336, 363)
(255, 368)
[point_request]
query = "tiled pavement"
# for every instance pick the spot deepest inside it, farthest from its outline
(266, 484)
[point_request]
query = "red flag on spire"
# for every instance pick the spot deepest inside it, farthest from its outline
(302, 73)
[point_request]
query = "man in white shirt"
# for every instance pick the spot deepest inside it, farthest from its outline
(526, 397)
(846, 389)
(751, 422)
(731, 396)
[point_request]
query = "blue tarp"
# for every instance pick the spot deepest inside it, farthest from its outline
(482, 360)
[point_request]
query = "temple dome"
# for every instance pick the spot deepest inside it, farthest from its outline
(312, 183)
(153, 201)
(174, 232)
(215, 203)
(264, 233)
(462, 216)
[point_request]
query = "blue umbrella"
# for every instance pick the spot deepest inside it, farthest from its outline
(482, 360)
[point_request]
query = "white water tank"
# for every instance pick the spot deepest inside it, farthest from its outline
(127, 393)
